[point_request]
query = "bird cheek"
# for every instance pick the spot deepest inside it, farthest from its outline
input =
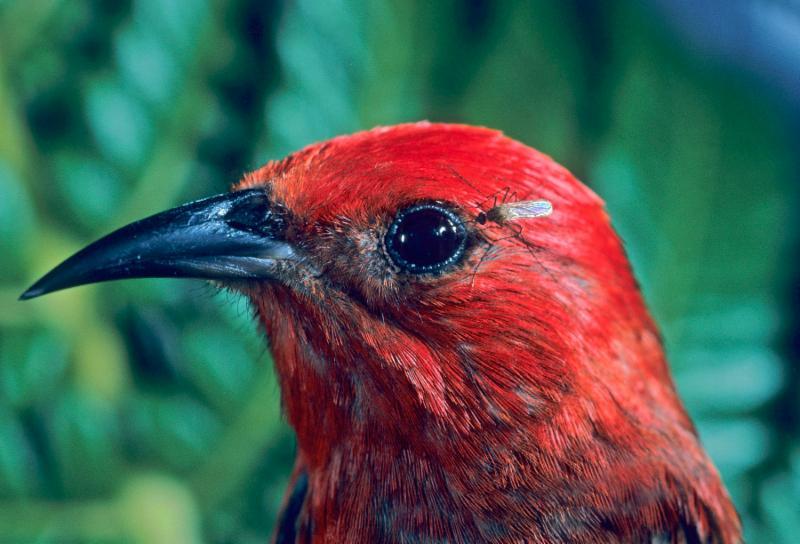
(354, 263)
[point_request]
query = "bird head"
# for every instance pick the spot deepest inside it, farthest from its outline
(405, 324)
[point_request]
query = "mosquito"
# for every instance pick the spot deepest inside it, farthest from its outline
(511, 211)
(503, 213)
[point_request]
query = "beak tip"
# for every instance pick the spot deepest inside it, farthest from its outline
(39, 288)
(32, 292)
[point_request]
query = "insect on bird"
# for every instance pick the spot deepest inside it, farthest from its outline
(527, 399)
(510, 211)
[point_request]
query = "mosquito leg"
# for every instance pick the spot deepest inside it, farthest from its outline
(489, 247)
(518, 230)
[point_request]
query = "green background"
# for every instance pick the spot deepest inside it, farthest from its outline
(147, 411)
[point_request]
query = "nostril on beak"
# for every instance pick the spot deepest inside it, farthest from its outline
(257, 214)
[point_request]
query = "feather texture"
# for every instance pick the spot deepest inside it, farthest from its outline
(522, 396)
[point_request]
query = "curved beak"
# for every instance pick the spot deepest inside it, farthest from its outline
(234, 236)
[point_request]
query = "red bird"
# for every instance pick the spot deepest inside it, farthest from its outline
(458, 365)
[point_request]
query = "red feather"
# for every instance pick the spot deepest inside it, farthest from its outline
(522, 396)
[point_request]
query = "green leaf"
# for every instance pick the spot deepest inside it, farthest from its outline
(18, 462)
(17, 227)
(779, 498)
(121, 125)
(31, 367)
(524, 85)
(175, 431)
(79, 175)
(82, 433)
(218, 364)
(332, 83)
(147, 64)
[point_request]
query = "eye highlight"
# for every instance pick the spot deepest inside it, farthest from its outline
(426, 238)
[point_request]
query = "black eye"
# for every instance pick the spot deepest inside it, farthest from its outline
(426, 238)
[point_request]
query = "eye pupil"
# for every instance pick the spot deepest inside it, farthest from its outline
(425, 238)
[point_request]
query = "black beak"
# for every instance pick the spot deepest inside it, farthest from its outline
(234, 236)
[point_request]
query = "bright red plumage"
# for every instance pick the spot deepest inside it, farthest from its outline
(521, 396)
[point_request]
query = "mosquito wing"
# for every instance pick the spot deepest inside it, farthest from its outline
(525, 209)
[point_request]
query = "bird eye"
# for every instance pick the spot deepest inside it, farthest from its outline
(425, 238)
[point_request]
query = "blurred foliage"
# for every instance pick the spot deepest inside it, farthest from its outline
(147, 411)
